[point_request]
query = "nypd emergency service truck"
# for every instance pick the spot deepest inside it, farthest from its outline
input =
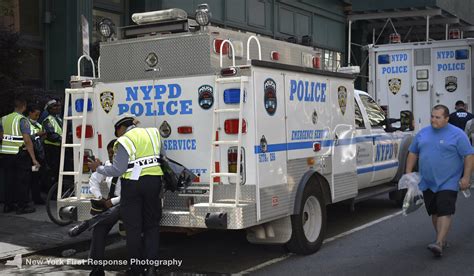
(271, 139)
(418, 76)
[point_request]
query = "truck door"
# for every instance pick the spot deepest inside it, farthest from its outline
(272, 188)
(394, 87)
(451, 75)
(385, 150)
(364, 145)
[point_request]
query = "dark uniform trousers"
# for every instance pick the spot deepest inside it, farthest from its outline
(52, 155)
(101, 225)
(17, 170)
(141, 213)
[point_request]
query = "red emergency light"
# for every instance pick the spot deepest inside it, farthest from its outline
(185, 129)
(231, 126)
(316, 146)
(274, 55)
(317, 62)
(217, 46)
(89, 131)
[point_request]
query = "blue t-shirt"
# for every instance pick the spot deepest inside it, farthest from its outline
(441, 155)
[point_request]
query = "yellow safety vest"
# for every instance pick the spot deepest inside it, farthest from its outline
(143, 147)
(12, 137)
(35, 127)
(57, 129)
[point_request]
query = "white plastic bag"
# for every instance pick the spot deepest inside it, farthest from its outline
(414, 196)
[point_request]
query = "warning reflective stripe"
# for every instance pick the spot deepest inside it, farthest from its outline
(12, 138)
(15, 126)
(154, 140)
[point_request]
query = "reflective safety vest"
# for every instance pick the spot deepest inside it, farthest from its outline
(12, 137)
(35, 127)
(143, 147)
(57, 129)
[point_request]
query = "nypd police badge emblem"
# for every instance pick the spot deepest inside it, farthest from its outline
(206, 96)
(269, 98)
(107, 100)
(394, 85)
(451, 83)
(165, 129)
(342, 98)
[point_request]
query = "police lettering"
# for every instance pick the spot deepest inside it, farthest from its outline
(308, 91)
(180, 144)
(150, 100)
(455, 66)
(395, 69)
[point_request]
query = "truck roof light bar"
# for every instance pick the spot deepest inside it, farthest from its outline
(159, 16)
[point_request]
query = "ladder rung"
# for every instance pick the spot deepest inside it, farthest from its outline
(69, 173)
(223, 174)
(227, 110)
(233, 79)
(229, 142)
(73, 117)
(71, 145)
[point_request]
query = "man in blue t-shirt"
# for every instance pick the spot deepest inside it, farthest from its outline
(445, 162)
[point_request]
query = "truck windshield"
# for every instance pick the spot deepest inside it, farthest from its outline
(374, 111)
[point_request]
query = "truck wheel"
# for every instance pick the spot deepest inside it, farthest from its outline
(68, 191)
(309, 226)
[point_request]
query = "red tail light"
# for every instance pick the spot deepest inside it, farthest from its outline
(89, 131)
(185, 129)
(231, 126)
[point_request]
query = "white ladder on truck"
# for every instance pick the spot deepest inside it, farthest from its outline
(215, 142)
(77, 173)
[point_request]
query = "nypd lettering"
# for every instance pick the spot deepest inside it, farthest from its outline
(446, 65)
(386, 152)
(307, 91)
(155, 100)
(397, 64)
(179, 144)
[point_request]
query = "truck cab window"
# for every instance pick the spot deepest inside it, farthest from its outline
(359, 120)
(374, 111)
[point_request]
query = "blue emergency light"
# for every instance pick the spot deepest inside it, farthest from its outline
(462, 54)
(384, 59)
(80, 105)
(232, 96)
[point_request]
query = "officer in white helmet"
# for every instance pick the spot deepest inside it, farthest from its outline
(137, 162)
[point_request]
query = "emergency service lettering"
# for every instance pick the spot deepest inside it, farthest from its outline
(264, 157)
(395, 68)
(179, 144)
(449, 66)
(306, 91)
(155, 100)
(308, 134)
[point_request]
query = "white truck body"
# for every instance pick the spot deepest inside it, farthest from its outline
(300, 132)
(418, 76)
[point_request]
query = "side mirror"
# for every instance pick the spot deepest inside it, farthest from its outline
(406, 120)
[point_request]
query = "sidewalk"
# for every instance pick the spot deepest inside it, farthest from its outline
(29, 233)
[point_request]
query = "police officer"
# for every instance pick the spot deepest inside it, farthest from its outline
(17, 157)
(53, 125)
(136, 160)
(37, 133)
(460, 117)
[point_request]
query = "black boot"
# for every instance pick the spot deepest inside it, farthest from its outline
(78, 229)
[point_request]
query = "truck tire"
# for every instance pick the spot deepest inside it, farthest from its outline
(68, 191)
(309, 226)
